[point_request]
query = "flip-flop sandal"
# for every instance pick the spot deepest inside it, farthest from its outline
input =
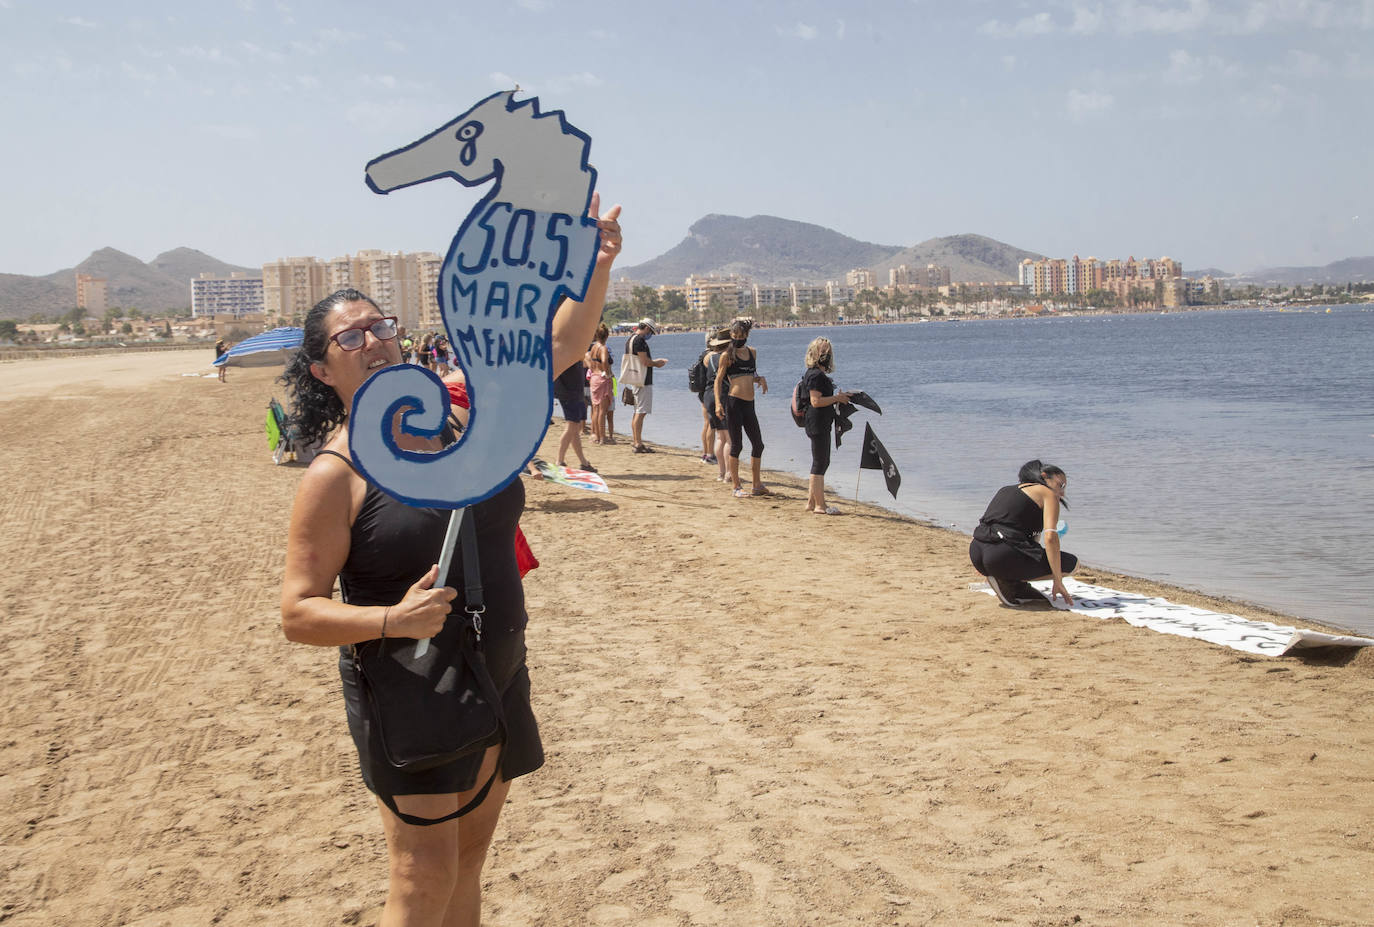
(762, 491)
(740, 494)
(588, 468)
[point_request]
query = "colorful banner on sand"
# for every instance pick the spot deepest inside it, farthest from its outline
(571, 476)
(1157, 614)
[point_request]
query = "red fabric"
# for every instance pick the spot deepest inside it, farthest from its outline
(524, 557)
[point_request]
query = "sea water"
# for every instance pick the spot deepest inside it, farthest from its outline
(1227, 451)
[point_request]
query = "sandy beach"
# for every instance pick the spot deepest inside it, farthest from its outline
(753, 716)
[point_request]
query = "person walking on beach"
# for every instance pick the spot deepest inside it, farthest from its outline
(638, 345)
(1005, 548)
(818, 394)
(381, 553)
(567, 389)
(598, 362)
(221, 348)
(734, 389)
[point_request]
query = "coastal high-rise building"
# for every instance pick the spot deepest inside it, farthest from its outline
(711, 295)
(620, 291)
(808, 294)
(90, 294)
(236, 295)
(403, 285)
(861, 279)
(427, 267)
(290, 286)
(837, 293)
(771, 295)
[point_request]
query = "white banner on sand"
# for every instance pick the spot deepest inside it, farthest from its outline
(1167, 617)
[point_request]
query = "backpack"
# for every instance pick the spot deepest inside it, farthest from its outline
(800, 403)
(696, 376)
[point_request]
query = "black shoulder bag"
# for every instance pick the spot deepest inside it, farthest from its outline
(439, 707)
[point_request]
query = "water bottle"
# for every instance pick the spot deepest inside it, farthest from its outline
(1062, 528)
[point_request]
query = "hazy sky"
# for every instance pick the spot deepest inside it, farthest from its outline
(1228, 133)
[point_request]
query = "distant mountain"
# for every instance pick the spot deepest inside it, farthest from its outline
(767, 249)
(764, 248)
(1206, 272)
(970, 259)
(1349, 270)
(188, 264)
(161, 285)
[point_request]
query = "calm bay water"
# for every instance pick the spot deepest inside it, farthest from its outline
(1230, 452)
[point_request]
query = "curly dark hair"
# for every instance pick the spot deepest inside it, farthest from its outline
(316, 409)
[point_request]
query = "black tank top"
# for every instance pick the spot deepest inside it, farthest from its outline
(742, 368)
(1011, 507)
(393, 544)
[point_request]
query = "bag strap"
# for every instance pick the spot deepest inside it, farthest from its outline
(475, 608)
(472, 572)
(416, 821)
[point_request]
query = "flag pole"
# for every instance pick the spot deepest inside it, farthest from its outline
(455, 521)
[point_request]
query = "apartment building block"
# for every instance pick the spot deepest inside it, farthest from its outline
(771, 295)
(861, 279)
(90, 294)
(1057, 276)
(237, 295)
(291, 286)
(734, 294)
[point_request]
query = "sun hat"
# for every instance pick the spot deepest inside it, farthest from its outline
(720, 339)
(649, 324)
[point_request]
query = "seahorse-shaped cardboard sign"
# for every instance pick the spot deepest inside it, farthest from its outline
(524, 248)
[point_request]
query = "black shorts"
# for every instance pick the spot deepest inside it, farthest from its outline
(523, 753)
(574, 410)
(708, 401)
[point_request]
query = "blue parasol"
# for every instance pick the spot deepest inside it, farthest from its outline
(263, 350)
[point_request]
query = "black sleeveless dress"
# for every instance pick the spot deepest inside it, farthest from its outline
(1004, 543)
(391, 547)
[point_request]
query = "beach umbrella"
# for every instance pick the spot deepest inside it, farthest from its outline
(265, 350)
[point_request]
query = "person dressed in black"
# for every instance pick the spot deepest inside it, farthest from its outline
(382, 553)
(734, 388)
(1006, 546)
(818, 392)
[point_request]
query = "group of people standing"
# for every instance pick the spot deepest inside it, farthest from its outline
(729, 415)
(346, 532)
(431, 350)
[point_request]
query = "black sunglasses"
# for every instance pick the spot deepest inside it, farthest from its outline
(351, 339)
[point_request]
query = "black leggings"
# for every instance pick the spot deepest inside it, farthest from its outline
(820, 453)
(1007, 562)
(740, 417)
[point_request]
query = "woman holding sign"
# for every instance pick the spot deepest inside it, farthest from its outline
(382, 553)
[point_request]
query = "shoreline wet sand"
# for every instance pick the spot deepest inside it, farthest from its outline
(752, 715)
